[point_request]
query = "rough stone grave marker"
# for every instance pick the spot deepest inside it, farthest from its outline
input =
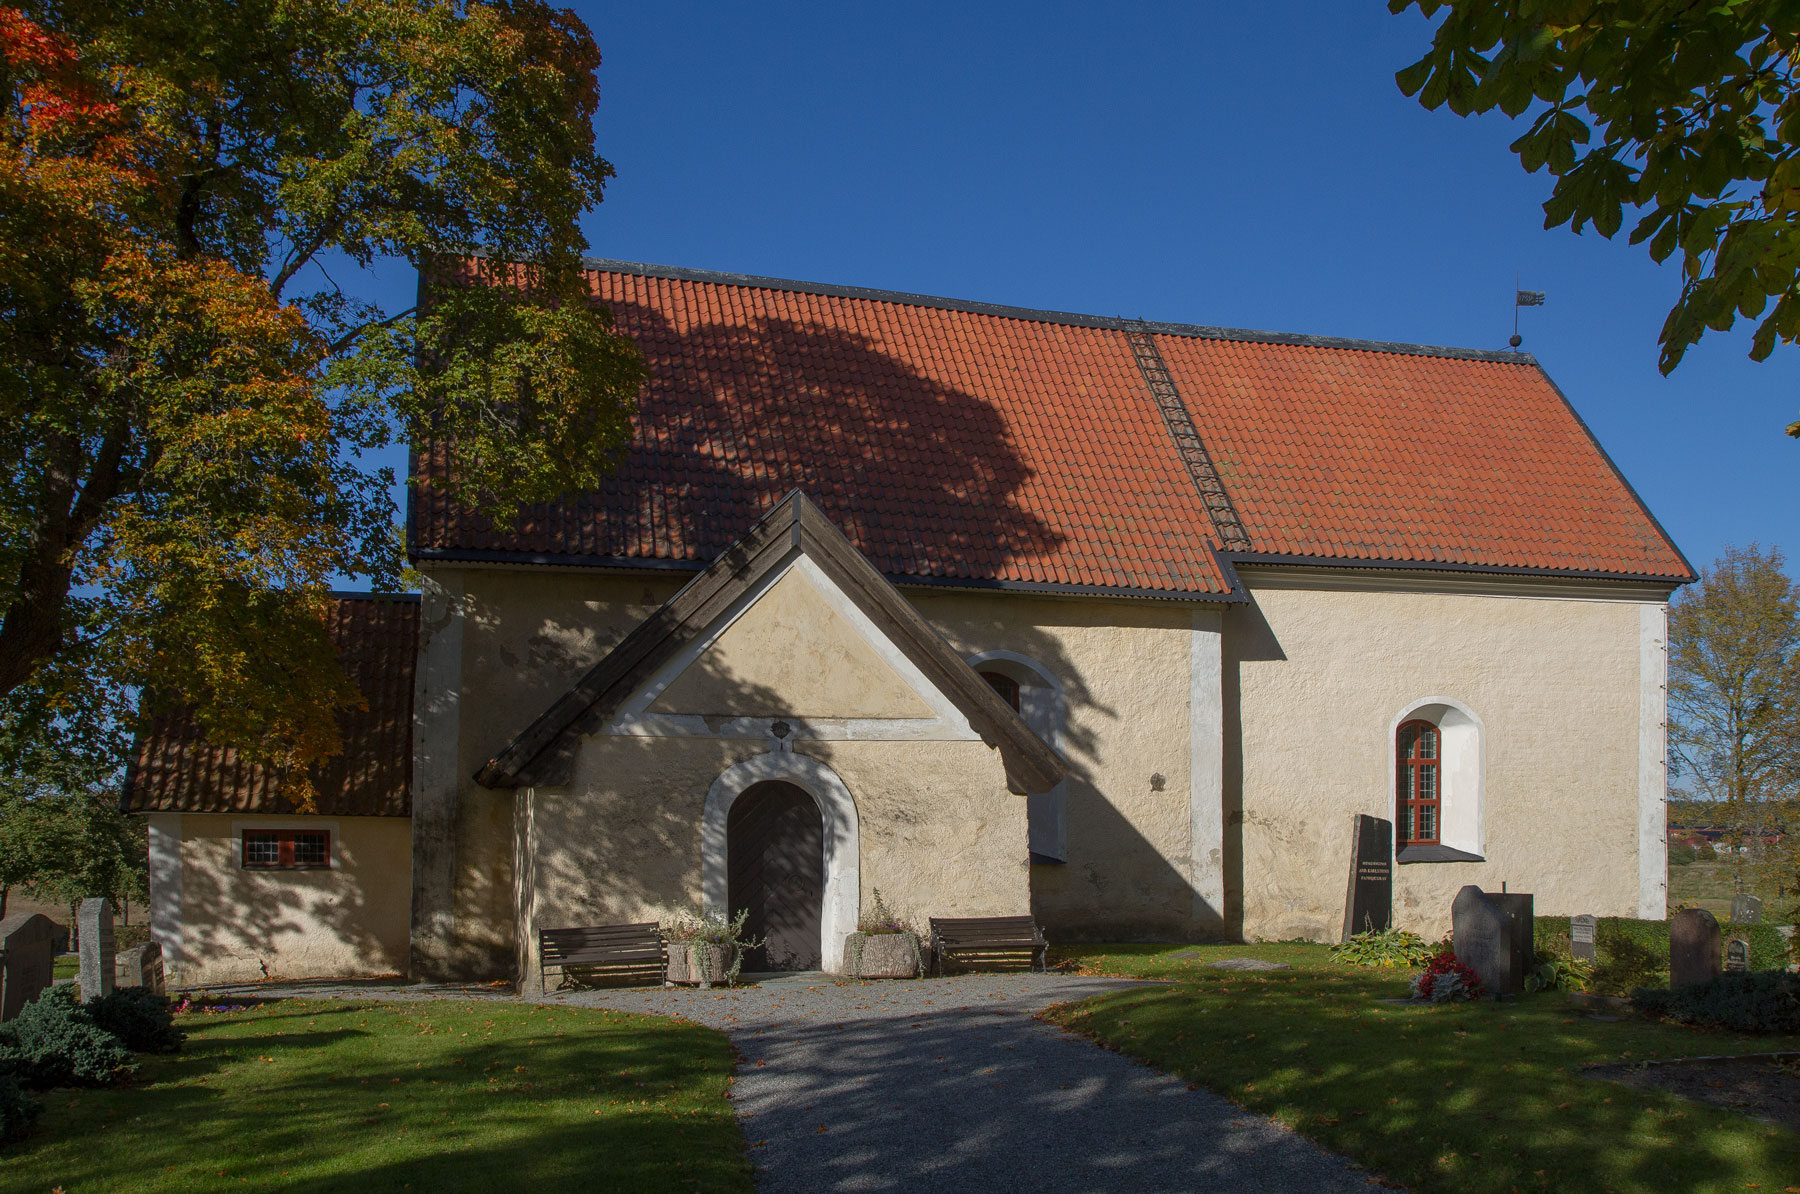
(141, 966)
(1584, 931)
(1370, 901)
(1737, 955)
(27, 958)
(1482, 931)
(96, 927)
(1521, 936)
(1693, 947)
(1746, 909)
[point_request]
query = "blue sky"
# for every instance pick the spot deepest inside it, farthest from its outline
(1243, 165)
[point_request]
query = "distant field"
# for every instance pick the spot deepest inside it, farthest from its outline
(1707, 885)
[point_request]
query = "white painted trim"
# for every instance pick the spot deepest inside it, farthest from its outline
(843, 842)
(1375, 580)
(1045, 710)
(1462, 775)
(947, 723)
(1206, 769)
(1653, 761)
(237, 839)
(165, 886)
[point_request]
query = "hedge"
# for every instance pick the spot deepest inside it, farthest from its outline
(1635, 953)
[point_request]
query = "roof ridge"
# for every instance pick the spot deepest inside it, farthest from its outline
(1038, 315)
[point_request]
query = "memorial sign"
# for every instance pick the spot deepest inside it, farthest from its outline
(1693, 947)
(95, 924)
(1746, 909)
(1737, 956)
(1369, 904)
(1521, 936)
(141, 966)
(1584, 931)
(1482, 933)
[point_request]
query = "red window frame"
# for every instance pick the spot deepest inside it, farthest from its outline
(1418, 784)
(1005, 685)
(284, 840)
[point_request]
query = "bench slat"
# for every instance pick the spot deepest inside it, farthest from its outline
(967, 939)
(620, 950)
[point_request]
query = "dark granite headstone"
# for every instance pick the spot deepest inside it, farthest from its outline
(1583, 931)
(1482, 932)
(1693, 947)
(141, 966)
(27, 954)
(96, 934)
(1369, 903)
(1746, 909)
(1737, 955)
(1521, 936)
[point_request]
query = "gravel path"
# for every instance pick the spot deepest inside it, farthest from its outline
(951, 1084)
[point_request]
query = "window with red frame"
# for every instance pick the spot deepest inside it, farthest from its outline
(1006, 686)
(287, 849)
(1417, 782)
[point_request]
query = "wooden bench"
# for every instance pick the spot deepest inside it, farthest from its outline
(625, 953)
(973, 940)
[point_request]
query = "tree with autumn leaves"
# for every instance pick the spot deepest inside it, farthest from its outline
(188, 391)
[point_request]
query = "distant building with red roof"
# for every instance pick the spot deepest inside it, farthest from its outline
(1119, 624)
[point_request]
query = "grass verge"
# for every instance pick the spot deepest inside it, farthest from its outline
(1465, 1098)
(429, 1096)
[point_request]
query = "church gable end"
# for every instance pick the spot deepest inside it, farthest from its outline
(790, 624)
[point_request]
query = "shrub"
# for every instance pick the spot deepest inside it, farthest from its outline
(1446, 980)
(1759, 1001)
(1388, 947)
(878, 919)
(1553, 970)
(140, 1017)
(58, 1044)
(17, 1109)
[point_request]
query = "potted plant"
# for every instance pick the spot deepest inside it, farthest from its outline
(883, 946)
(707, 949)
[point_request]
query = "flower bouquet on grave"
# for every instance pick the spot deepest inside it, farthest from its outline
(1446, 980)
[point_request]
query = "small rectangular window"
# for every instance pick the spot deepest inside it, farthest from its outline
(287, 849)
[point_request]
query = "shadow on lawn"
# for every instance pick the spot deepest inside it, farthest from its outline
(422, 1100)
(1470, 1098)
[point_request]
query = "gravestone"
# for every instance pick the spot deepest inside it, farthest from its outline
(141, 966)
(1369, 903)
(1583, 932)
(1693, 947)
(1482, 932)
(27, 954)
(1746, 909)
(1737, 956)
(96, 931)
(1521, 935)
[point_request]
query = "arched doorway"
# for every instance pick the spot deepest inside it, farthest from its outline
(775, 847)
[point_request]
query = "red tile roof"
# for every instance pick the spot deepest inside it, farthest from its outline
(960, 442)
(175, 769)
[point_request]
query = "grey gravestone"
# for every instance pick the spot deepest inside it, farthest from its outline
(141, 966)
(1746, 909)
(96, 931)
(1369, 904)
(27, 953)
(1583, 930)
(1521, 936)
(1482, 932)
(1693, 947)
(1737, 955)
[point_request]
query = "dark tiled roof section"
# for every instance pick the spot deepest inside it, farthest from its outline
(1372, 455)
(377, 638)
(946, 444)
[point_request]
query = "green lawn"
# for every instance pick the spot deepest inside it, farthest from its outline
(1707, 884)
(65, 966)
(326, 1096)
(1464, 1099)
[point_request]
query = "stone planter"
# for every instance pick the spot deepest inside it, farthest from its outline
(881, 955)
(699, 962)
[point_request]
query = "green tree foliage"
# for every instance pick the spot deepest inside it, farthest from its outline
(187, 393)
(67, 847)
(1734, 696)
(1687, 115)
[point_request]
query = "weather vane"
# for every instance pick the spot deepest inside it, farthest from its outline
(1522, 298)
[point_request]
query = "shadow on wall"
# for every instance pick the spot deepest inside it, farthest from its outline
(274, 924)
(1248, 639)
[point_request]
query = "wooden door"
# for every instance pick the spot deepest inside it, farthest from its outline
(775, 845)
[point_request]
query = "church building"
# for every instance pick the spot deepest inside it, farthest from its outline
(1118, 623)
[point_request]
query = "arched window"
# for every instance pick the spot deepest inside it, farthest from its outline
(1418, 784)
